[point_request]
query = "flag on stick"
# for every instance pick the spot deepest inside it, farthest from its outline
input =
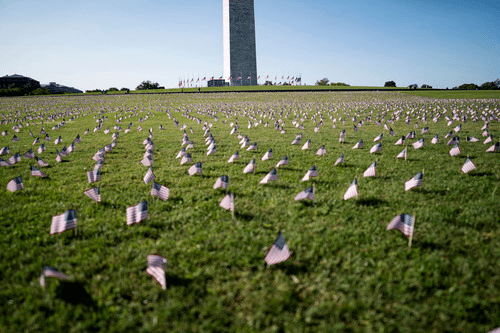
(181, 153)
(358, 144)
(94, 176)
(307, 144)
(376, 148)
(5, 150)
(268, 154)
(195, 168)
(402, 154)
(147, 161)
(371, 171)
(36, 173)
(321, 151)
(401, 141)
(468, 166)
(352, 191)
(94, 194)
(137, 213)
(156, 268)
(235, 156)
(415, 181)
(339, 160)
(149, 176)
(250, 167)
(283, 161)
(14, 158)
(279, 251)
(4, 163)
(160, 191)
(222, 181)
(228, 202)
(186, 158)
(63, 222)
(269, 177)
(15, 184)
(403, 223)
(51, 272)
(435, 139)
(455, 150)
(419, 144)
(308, 193)
(495, 147)
(313, 172)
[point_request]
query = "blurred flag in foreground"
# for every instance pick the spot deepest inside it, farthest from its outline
(352, 191)
(149, 176)
(468, 166)
(227, 202)
(250, 167)
(63, 222)
(222, 181)
(94, 194)
(403, 223)
(371, 171)
(195, 168)
(308, 193)
(279, 251)
(51, 272)
(156, 268)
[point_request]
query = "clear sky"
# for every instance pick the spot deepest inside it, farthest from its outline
(98, 44)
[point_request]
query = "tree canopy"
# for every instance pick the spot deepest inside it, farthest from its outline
(145, 85)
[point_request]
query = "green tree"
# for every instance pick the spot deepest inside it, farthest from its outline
(145, 85)
(40, 91)
(493, 85)
(113, 89)
(413, 86)
(390, 84)
(323, 82)
(426, 86)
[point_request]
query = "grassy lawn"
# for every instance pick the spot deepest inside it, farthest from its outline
(346, 272)
(454, 94)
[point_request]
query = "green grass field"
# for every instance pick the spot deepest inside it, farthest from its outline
(346, 272)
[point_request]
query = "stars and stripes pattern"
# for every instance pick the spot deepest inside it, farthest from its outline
(156, 268)
(352, 191)
(63, 222)
(402, 154)
(250, 167)
(419, 144)
(321, 151)
(455, 150)
(94, 176)
(234, 157)
(435, 140)
(137, 213)
(283, 161)
(93, 193)
(270, 177)
(268, 155)
(415, 181)
(468, 166)
(15, 184)
(186, 158)
(308, 193)
(160, 191)
(376, 148)
(371, 171)
(278, 252)
(401, 141)
(227, 202)
(339, 160)
(195, 168)
(313, 172)
(149, 176)
(36, 173)
(222, 182)
(358, 144)
(403, 223)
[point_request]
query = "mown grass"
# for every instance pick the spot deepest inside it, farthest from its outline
(346, 272)
(454, 94)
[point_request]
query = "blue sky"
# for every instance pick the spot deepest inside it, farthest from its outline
(91, 44)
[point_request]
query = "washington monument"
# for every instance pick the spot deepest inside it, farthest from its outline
(240, 60)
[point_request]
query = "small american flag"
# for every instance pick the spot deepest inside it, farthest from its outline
(415, 181)
(181, 153)
(339, 160)
(37, 140)
(403, 223)
(468, 166)
(401, 141)
(279, 251)
(472, 139)
(307, 144)
(453, 141)
(495, 147)
(51, 272)
(41, 162)
(235, 156)
(222, 181)
(435, 139)
(149, 176)
(160, 191)
(269, 177)
(488, 139)
(36, 173)
(227, 202)
(147, 161)
(195, 168)
(14, 158)
(4, 163)
(250, 167)
(15, 184)
(94, 194)
(63, 222)
(94, 176)
(186, 158)
(137, 213)
(156, 268)
(358, 144)
(313, 172)
(78, 139)
(376, 148)
(402, 154)
(308, 193)
(419, 144)
(455, 150)
(268, 154)
(371, 171)
(352, 191)
(5, 150)
(283, 161)
(321, 151)
(58, 140)
(253, 146)
(379, 137)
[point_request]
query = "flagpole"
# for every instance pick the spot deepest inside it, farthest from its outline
(412, 228)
